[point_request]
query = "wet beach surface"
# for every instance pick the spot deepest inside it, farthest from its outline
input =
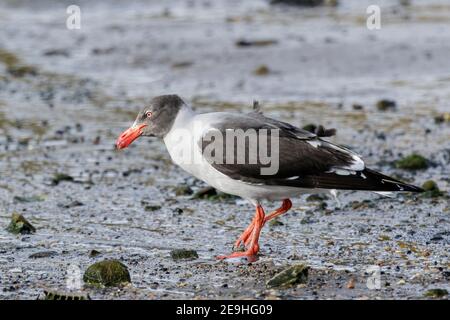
(65, 96)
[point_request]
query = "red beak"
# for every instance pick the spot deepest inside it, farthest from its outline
(129, 135)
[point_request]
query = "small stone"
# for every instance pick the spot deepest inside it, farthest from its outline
(401, 282)
(322, 132)
(311, 127)
(384, 105)
(445, 117)
(182, 64)
(351, 284)
(204, 193)
(210, 193)
(316, 197)
(183, 254)
(93, 253)
(15, 270)
(275, 223)
(384, 237)
(319, 130)
(56, 52)
(436, 293)
(358, 107)
(262, 70)
(59, 177)
(431, 189)
(20, 225)
(43, 254)
(28, 199)
(152, 207)
(71, 204)
(290, 276)
(109, 273)
(412, 162)
(255, 43)
(183, 190)
(430, 185)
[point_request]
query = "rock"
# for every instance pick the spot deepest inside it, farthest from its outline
(59, 177)
(412, 162)
(183, 190)
(211, 193)
(182, 64)
(183, 254)
(293, 275)
(262, 70)
(152, 207)
(437, 237)
(431, 189)
(357, 107)
(311, 127)
(322, 132)
(43, 254)
(275, 223)
(307, 220)
(20, 225)
(316, 197)
(384, 237)
(109, 273)
(440, 236)
(205, 193)
(351, 284)
(445, 117)
(56, 52)
(385, 105)
(71, 204)
(357, 205)
(255, 43)
(430, 185)
(93, 253)
(25, 199)
(436, 293)
(14, 66)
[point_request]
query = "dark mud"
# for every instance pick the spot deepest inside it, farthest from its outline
(66, 95)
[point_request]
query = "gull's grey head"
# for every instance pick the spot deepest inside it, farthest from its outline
(159, 115)
(154, 120)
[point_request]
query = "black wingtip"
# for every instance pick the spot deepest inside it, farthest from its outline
(411, 188)
(391, 183)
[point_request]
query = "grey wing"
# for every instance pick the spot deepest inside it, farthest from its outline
(303, 160)
(286, 128)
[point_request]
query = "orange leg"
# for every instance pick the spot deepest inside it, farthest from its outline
(245, 237)
(253, 247)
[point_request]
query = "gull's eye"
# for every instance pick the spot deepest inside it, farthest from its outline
(148, 114)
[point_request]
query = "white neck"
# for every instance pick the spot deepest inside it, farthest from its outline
(184, 116)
